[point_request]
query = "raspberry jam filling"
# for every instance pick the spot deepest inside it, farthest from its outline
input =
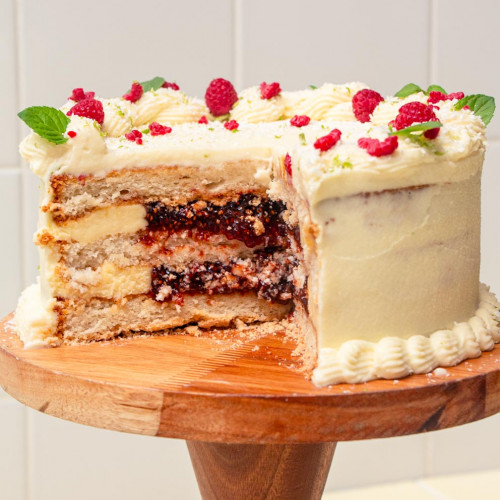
(251, 219)
(269, 273)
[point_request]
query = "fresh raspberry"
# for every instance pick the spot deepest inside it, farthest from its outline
(203, 120)
(134, 136)
(288, 164)
(435, 96)
(300, 121)
(269, 90)
(135, 92)
(156, 129)
(328, 141)
(71, 134)
(79, 95)
(88, 108)
(220, 96)
(374, 147)
(416, 112)
(363, 104)
(231, 125)
(170, 85)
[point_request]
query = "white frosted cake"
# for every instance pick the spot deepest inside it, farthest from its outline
(353, 217)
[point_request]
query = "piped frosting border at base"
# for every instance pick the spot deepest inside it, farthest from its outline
(393, 357)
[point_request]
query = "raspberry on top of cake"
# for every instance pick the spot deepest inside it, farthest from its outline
(350, 216)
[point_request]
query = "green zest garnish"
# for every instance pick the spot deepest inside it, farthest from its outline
(313, 87)
(145, 131)
(481, 105)
(49, 123)
(338, 163)
(153, 84)
(302, 138)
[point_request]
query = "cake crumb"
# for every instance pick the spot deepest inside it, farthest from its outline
(193, 330)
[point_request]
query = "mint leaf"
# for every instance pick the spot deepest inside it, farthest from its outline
(153, 84)
(409, 89)
(480, 104)
(49, 123)
(435, 88)
(418, 127)
(419, 138)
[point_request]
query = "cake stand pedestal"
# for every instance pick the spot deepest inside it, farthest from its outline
(255, 428)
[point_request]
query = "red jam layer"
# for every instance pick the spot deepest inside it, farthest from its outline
(251, 219)
(269, 273)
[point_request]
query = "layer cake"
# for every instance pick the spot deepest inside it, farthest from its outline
(354, 218)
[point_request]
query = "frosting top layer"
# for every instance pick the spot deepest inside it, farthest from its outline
(266, 133)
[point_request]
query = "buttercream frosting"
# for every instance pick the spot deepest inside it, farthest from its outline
(393, 357)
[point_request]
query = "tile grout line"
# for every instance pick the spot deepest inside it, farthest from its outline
(431, 41)
(22, 237)
(237, 44)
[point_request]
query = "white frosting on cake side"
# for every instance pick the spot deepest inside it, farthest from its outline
(358, 361)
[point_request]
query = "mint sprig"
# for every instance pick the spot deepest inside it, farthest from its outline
(415, 134)
(408, 89)
(480, 104)
(418, 127)
(413, 88)
(153, 84)
(49, 123)
(435, 88)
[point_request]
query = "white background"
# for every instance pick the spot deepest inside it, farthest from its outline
(49, 47)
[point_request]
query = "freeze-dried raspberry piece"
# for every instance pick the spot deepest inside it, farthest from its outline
(328, 141)
(156, 128)
(288, 164)
(416, 112)
(170, 85)
(374, 147)
(134, 136)
(300, 121)
(135, 92)
(71, 133)
(88, 108)
(269, 90)
(203, 120)
(220, 96)
(78, 95)
(436, 96)
(231, 125)
(363, 104)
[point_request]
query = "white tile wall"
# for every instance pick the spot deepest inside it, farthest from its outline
(13, 485)
(52, 46)
(299, 43)
(466, 52)
(79, 462)
(8, 85)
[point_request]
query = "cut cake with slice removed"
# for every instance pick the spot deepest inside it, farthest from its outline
(365, 235)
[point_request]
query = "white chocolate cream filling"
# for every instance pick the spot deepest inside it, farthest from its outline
(358, 361)
(101, 222)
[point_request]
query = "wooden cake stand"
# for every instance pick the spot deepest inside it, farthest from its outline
(255, 428)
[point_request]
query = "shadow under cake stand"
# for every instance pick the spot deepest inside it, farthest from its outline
(255, 428)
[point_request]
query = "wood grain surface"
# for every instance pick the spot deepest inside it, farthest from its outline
(235, 390)
(261, 472)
